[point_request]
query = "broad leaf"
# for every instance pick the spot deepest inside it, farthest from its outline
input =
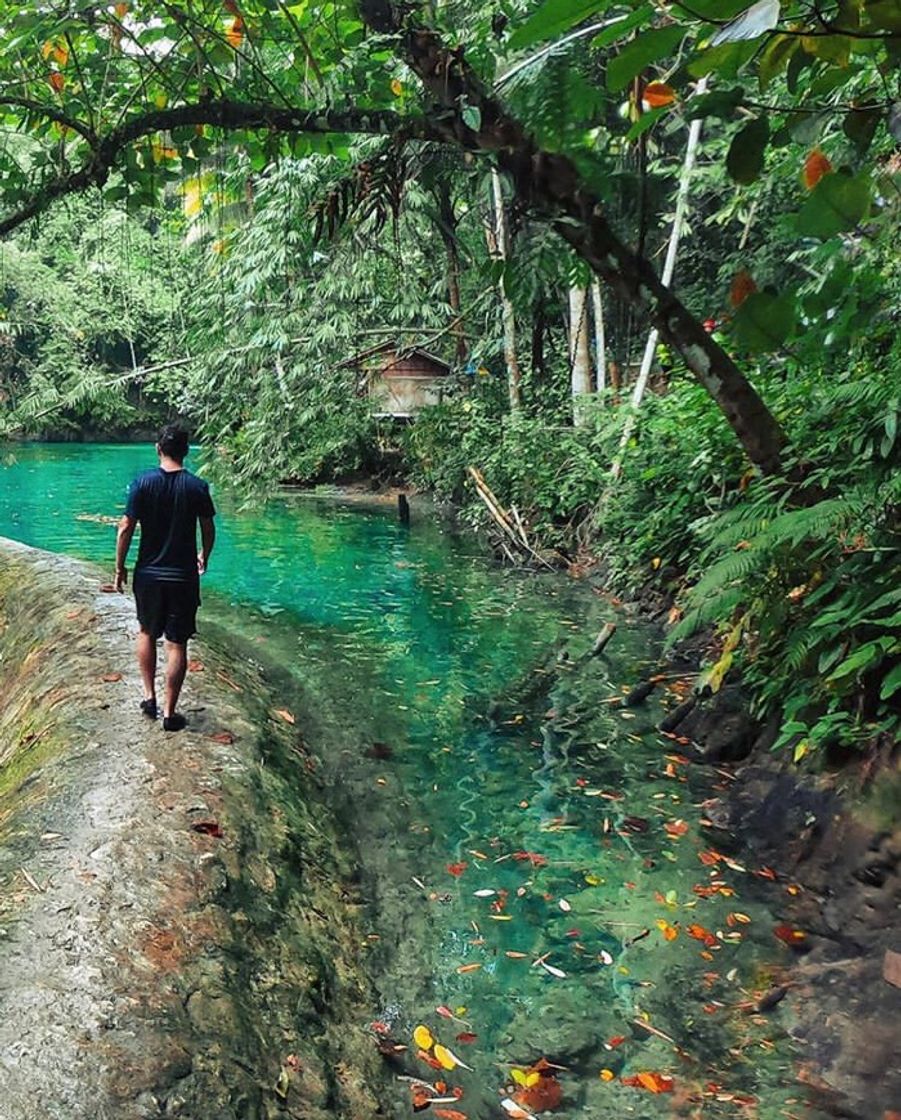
(747, 152)
(763, 322)
(839, 202)
(553, 18)
(645, 48)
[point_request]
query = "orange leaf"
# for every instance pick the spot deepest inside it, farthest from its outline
(469, 967)
(121, 11)
(196, 666)
(57, 81)
(426, 1057)
(222, 737)
(701, 934)
(676, 828)
(457, 869)
(668, 931)
(285, 715)
(658, 94)
(742, 286)
(653, 1082)
(815, 167)
(544, 1096)
(789, 935)
(235, 33)
(111, 678)
(449, 1113)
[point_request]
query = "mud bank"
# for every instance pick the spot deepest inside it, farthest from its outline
(177, 925)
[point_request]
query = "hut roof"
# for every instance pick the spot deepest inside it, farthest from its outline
(400, 354)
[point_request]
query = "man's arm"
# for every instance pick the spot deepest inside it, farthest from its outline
(207, 540)
(123, 543)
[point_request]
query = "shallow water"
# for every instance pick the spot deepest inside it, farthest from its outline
(475, 749)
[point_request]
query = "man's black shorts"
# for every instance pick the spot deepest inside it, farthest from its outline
(167, 607)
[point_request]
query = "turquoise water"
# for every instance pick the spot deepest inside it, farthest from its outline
(507, 810)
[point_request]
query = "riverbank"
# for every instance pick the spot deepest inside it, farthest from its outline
(175, 938)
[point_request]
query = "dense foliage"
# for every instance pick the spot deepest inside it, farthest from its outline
(265, 190)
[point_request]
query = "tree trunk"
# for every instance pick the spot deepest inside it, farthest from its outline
(539, 326)
(600, 338)
(447, 227)
(579, 359)
(502, 250)
(549, 184)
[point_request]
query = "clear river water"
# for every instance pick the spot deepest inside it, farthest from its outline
(533, 855)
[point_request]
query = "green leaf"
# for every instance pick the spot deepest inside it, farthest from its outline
(891, 684)
(472, 117)
(884, 14)
(720, 103)
(864, 657)
(775, 57)
(764, 321)
(646, 121)
(622, 26)
(725, 60)
(645, 48)
(860, 126)
(553, 18)
(747, 151)
(837, 203)
(713, 9)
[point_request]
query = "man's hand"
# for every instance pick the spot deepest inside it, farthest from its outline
(201, 562)
(120, 579)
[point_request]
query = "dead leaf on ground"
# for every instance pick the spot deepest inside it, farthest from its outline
(111, 678)
(222, 737)
(891, 967)
(196, 666)
(284, 714)
(208, 828)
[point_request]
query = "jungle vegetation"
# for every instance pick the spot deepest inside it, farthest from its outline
(209, 205)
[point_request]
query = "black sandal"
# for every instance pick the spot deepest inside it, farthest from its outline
(176, 722)
(148, 707)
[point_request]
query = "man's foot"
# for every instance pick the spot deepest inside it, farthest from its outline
(148, 707)
(175, 722)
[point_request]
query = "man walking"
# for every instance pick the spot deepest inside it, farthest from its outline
(167, 502)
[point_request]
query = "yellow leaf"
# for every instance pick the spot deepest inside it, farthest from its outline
(46, 50)
(448, 1058)
(668, 931)
(61, 53)
(656, 562)
(801, 749)
(235, 33)
(525, 1077)
(121, 11)
(397, 88)
(607, 1075)
(161, 99)
(422, 1036)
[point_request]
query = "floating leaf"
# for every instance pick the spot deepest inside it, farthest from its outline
(676, 828)
(469, 967)
(514, 955)
(670, 932)
(284, 714)
(653, 1082)
(553, 970)
(607, 1075)
(565, 905)
(448, 1058)
(485, 893)
(466, 1037)
(525, 1077)
(449, 1114)
(457, 869)
(790, 936)
(700, 934)
(422, 1036)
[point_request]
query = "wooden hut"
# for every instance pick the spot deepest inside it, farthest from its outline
(400, 382)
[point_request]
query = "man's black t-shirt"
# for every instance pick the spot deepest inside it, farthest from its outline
(167, 504)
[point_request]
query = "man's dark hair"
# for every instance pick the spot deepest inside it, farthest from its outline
(173, 441)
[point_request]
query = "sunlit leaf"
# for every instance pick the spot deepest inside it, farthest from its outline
(422, 1036)
(815, 167)
(751, 24)
(645, 48)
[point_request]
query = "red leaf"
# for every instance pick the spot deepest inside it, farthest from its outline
(449, 1113)
(676, 828)
(701, 934)
(533, 857)
(196, 666)
(617, 1040)
(222, 737)
(466, 1037)
(789, 935)
(815, 167)
(57, 81)
(742, 286)
(653, 1082)
(457, 869)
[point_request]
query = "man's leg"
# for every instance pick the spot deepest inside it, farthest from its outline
(176, 667)
(147, 663)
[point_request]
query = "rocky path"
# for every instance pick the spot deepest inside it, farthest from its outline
(156, 945)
